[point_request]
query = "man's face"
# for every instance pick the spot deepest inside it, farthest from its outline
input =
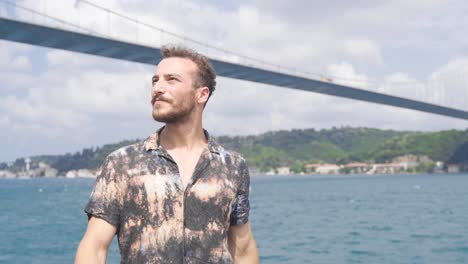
(173, 92)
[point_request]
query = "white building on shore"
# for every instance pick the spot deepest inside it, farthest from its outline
(327, 169)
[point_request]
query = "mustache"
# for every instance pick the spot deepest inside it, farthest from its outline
(159, 98)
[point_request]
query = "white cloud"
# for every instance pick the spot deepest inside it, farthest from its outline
(345, 74)
(400, 84)
(4, 54)
(21, 63)
(240, 107)
(107, 92)
(29, 113)
(72, 104)
(14, 57)
(449, 83)
(67, 96)
(364, 50)
(3, 11)
(4, 121)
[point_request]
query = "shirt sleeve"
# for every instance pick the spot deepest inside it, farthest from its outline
(105, 199)
(241, 206)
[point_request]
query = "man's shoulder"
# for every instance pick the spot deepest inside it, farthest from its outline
(128, 152)
(124, 161)
(236, 157)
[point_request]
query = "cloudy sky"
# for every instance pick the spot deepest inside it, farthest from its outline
(53, 101)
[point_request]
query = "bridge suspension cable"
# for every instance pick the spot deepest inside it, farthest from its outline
(286, 77)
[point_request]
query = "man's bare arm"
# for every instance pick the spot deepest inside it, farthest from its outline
(242, 244)
(95, 243)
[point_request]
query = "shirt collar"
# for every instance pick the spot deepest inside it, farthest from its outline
(152, 143)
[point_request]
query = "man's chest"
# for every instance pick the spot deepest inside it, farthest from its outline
(186, 163)
(160, 193)
(186, 168)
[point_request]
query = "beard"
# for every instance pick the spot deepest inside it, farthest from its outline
(173, 112)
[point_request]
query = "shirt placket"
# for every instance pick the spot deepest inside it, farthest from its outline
(199, 168)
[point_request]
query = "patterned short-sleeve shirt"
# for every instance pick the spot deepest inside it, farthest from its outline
(140, 191)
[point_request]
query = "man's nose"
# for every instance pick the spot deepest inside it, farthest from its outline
(158, 88)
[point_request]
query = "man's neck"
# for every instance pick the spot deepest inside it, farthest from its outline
(187, 136)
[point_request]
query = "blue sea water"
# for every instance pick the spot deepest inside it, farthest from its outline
(295, 219)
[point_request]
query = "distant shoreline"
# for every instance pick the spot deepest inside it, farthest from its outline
(321, 176)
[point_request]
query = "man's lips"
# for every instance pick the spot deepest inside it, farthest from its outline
(158, 100)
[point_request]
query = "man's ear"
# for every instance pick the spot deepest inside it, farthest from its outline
(203, 93)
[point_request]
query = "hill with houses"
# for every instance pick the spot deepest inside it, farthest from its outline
(297, 151)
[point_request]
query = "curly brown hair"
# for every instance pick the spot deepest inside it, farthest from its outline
(206, 73)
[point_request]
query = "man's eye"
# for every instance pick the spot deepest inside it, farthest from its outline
(155, 80)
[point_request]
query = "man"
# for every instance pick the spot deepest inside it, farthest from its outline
(178, 196)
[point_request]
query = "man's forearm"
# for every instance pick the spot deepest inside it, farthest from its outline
(88, 253)
(249, 255)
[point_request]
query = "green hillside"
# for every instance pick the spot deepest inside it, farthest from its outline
(441, 146)
(298, 147)
(336, 145)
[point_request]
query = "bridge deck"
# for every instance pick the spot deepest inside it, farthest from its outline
(13, 30)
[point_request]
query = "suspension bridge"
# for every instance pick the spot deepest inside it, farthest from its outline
(34, 26)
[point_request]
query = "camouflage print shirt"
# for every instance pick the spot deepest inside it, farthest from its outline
(140, 191)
